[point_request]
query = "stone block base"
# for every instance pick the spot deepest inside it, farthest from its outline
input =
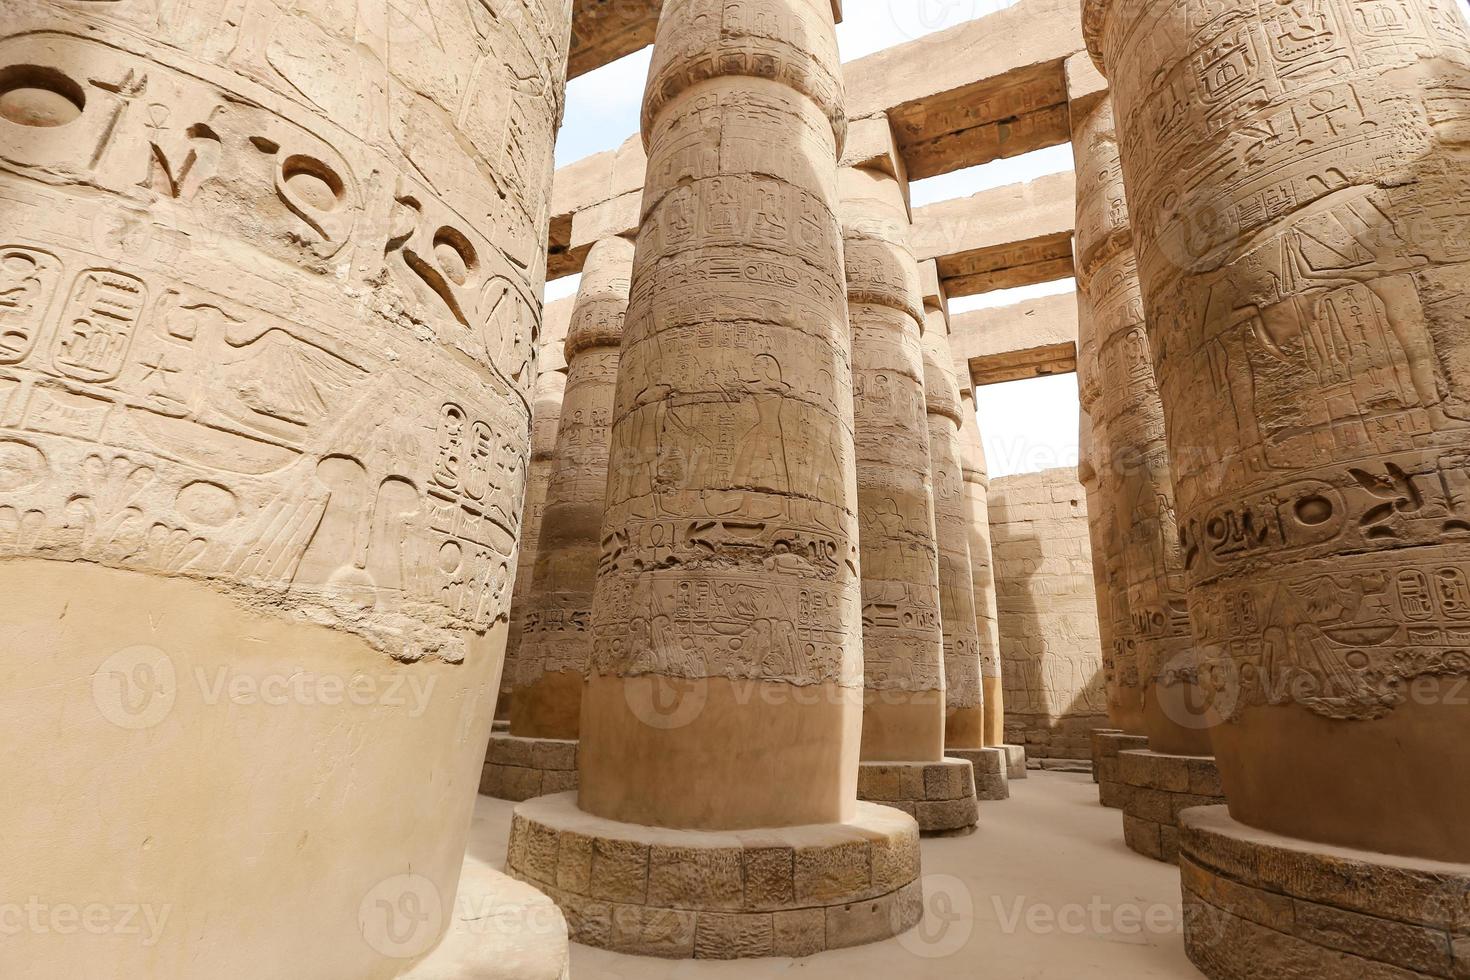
(500, 725)
(1061, 765)
(1096, 732)
(1105, 748)
(940, 796)
(501, 928)
(1155, 788)
(791, 891)
(1015, 761)
(1258, 906)
(992, 776)
(518, 769)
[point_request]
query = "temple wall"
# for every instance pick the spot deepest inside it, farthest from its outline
(1051, 659)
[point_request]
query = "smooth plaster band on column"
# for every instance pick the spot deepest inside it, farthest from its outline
(789, 891)
(903, 639)
(964, 723)
(255, 589)
(557, 629)
(982, 571)
(1322, 322)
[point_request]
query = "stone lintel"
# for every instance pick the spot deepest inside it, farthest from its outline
(870, 144)
(1015, 235)
(931, 285)
(1259, 905)
(1156, 787)
(939, 795)
(519, 768)
(1023, 340)
(792, 891)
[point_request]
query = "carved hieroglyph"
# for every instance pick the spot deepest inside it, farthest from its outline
(982, 571)
(964, 722)
(546, 398)
(269, 289)
(1050, 657)
(1129, 450)
(730, 547)
(903, 638)
(557, 637)
(1296, 176)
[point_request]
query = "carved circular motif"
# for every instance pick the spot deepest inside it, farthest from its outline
(39, 97)
(207, 503)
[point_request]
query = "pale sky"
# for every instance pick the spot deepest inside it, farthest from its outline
(1027, 425)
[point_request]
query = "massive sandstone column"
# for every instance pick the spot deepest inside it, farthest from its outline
(982, 577)
(546, 398)
(1130, 453)
(964, 724)
(725, 690)
(1295, 173)
(268, 298)
(903, 640)
(539, 753)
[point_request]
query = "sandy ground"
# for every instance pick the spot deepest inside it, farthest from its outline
(1044, 890)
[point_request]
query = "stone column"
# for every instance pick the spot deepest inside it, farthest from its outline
(539, 754)
(903, 761)
(964, 724)
(269, 293)
(1294, 172)
(1135, 490)
(723, 710)
(982, 578)
(546, 399)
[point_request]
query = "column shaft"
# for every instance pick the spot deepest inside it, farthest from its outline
(982, 569)
(1289, 170)
(558, 620)
(903, 640)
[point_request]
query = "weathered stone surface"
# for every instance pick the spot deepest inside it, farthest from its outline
(910, 786)
(903, 640)
(1336, 383)
(982, 571)
(1031, 339)
(768, 892)
(1340, 913)
(1050, 657)
(1153, 789)
(269, 293)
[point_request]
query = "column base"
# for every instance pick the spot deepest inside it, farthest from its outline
(1259, 906)
(1105, 748)
(992, 774)
(1015, 761)
(500, 725)
(519, 768)
(681, 894)
(503, 929)
(1155, 788)
(1095, 757)
(940, 796)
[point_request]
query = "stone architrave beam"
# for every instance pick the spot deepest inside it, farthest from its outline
(1023, 340)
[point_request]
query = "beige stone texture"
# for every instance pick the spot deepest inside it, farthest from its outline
(1143, 565)
(728, 894)
(546, 398)
(1051, 660)
(964, 696)
(1106, 745)
(269, 299)
(557, 641)
(1154, 788)
(730, 538)
(1296, 285)
(941, 796)
(992, 768)
(1261, 905)
(1009, 236)
(1030, 339)
(982, 572)
(903, 638)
